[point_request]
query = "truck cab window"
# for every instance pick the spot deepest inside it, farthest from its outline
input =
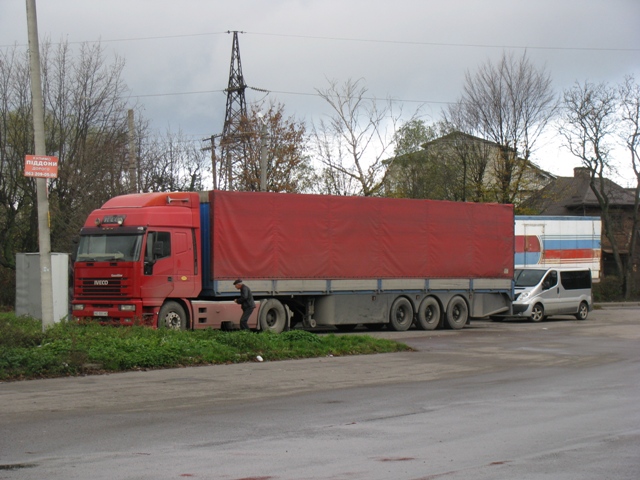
(158, 245)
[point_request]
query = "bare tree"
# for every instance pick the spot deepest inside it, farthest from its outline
(171, 163)
(589, 126)
(509, 103)
(85, 125)
(354, 141)
(629, 93)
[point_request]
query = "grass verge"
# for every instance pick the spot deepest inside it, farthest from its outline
(70, 348)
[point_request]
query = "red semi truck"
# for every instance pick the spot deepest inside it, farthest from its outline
(169, 260)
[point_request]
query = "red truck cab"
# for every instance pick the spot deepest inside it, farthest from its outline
(135, 252)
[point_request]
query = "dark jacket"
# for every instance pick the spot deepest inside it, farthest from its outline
(246, 298)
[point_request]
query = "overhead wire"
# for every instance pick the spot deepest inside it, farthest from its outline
(360, 40)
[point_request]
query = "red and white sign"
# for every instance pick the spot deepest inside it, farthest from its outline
(40, 166)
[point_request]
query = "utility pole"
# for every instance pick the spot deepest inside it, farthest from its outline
(133, 182)
(44, 233)
(263, 157)
(214, 168)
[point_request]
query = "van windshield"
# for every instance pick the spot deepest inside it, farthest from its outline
(528, 277)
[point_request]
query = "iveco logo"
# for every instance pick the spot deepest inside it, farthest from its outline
(101, 282)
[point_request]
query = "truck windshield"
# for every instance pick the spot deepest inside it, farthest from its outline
(527, 277)
(102, 248)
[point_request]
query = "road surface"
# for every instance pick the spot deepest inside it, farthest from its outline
(558, 399)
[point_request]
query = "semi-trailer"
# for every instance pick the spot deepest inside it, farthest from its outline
(169, 260)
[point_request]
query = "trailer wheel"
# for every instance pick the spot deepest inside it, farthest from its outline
(401, 315)
(457, 313)
(428, 314)
(272, 316)
(537, 313)
(583, 311)
(172, 316)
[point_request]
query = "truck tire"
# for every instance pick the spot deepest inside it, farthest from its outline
(537, 313)
(457, 313)
(401, 315)
(583, 311)
(272, 316)
(428, 317)
(172, 316)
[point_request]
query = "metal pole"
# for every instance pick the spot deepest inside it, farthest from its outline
(44, 233)
(263, 158)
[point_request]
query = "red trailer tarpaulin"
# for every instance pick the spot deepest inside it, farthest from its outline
(271, 235)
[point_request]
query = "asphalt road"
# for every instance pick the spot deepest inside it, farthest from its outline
(559, 399)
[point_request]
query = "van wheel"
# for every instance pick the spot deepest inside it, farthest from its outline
(583, 311)
(457, 313)
(401, 315)
(172, 316)
(537, 314)
(272, 316)
(428, 317)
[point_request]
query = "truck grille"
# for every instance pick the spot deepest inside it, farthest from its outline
(104, 287)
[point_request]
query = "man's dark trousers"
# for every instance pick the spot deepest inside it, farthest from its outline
(245, 318)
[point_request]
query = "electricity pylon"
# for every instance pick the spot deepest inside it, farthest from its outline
(233, 144)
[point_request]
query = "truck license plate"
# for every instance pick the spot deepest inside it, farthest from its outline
(100, 314)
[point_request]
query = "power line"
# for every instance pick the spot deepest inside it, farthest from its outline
(284, 92)
(443, 44)
(359, 40)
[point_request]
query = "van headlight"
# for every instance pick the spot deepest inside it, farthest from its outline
(524, 296)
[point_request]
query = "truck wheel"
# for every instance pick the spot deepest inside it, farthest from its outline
(272, 316)
(583, 311)
(401, 315)
(172, 316)
(457, 313)
(537, 313)
(428, 314)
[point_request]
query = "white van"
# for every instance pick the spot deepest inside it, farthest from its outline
(542, 292)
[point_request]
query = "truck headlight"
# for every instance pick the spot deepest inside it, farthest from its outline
(78, 306)
(127, 308)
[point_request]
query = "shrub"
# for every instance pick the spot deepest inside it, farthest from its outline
(609, 289)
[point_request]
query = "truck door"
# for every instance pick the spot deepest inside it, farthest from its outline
(159, 272)
(186, 283)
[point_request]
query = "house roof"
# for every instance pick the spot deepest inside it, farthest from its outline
(565, 195)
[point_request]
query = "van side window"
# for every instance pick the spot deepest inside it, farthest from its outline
(576, 280)
(550, 280)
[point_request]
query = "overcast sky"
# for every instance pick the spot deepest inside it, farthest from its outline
(178, 53)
